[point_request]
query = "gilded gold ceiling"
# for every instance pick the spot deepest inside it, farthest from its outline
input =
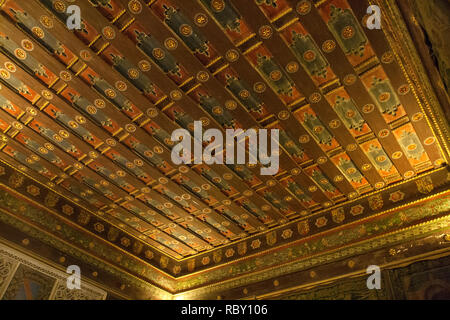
(89, 113)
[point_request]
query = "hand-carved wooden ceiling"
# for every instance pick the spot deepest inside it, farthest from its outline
(90, 113)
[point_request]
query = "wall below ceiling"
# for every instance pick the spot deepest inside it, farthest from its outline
(425, 280)
(433, 16)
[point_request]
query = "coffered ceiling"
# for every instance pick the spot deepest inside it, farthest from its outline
(87, 116)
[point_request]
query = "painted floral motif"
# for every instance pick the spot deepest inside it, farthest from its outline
(275, 75)
(205, 260)
(149, 254)
(321, 222)
(176, 269)
(217, 256)
(229, 253)
(18, 86)
(164, 262)
(396, 196)
(51, 199)
(33, 190)
(242, 248)
(357, 210)
(286, 234)
(68, 210)
(271, 238)
(376, 202)
(338, 215)
(255, 244)
(99, 227)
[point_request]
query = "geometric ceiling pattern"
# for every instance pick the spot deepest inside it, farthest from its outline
(90, 113)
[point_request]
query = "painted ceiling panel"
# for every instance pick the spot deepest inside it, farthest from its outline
(90, 113)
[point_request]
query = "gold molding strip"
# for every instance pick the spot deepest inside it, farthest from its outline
(253, 47)
(240, 43)
(81, 70)
(186, 81)
(319, 3)
(280, 15)
(287, 24)
(223, 67)
(127, 24)
(137, 117)
(144, 122)
(103, 47)
(193, 88)
(118, 16)
(53, 82)
(160, 100)
(64, 86)
(94, 40)
(71, 63)
(213, 62)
